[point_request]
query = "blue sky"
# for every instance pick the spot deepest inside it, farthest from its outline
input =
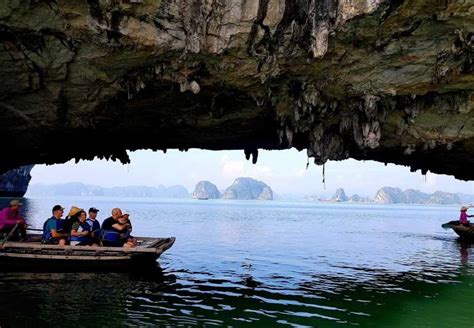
(285, 171)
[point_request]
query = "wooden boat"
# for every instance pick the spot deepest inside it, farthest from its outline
(465, 233)
(32, 254)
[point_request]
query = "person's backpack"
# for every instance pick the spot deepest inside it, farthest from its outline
(68, 222)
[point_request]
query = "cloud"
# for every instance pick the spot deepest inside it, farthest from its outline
(240, 168)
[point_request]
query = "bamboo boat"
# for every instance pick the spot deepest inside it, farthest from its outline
(32, 254)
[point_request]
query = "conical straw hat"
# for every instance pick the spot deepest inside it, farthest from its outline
(74, 210)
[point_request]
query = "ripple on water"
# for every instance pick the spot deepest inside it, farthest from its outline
(265, 264)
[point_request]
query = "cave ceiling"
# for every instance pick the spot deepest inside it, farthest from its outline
(390, 81)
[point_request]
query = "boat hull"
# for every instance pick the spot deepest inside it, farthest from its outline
(464, 233)
(37, 257)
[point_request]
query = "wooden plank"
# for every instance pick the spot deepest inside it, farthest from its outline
(27, 245)
(67, 257)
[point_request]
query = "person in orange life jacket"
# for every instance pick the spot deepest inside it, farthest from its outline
(53, 232)
(80, 231)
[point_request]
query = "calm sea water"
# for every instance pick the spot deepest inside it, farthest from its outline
(246, 263)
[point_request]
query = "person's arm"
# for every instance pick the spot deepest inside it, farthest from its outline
(79, 234)
(57, 234)
(120, 227)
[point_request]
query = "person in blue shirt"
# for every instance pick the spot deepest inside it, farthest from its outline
(95, 225)
(53, 231)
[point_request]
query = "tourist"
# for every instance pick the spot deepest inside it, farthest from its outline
(10, 217)
(80, 231)
(463, 216)
(126, 236)
(71, 218)
(111, 229)
(94, 225)
(53, 230)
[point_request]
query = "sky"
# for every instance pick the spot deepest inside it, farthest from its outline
(284, 171)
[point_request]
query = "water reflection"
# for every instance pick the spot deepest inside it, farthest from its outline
(161, 297)
(464, 249)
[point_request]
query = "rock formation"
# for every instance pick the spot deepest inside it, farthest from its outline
(14, 183)
(248, 188)
(385, 80)
(358, 199)
(340, 195)
(390, 195)
(205, 190)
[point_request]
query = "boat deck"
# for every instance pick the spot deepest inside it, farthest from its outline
(33, 253)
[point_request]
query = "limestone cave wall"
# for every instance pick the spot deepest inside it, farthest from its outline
(388, 80)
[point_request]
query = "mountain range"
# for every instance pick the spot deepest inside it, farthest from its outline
(391, 195)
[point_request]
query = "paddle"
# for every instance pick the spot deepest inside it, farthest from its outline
(34, 229)
(8, 236)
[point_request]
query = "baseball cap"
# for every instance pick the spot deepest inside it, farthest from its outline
(93, 209)
(57, 207)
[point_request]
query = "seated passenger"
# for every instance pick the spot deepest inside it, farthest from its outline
(126, 237)
(71, 218)
(111, 229)
(53, 231)
(10, 217)
(80, 231)
(95, 225)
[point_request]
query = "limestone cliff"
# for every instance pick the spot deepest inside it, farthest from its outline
(205, 190)
(389, 195)
(248, 188)
(14, 183)
(340, 195)
(388, 80)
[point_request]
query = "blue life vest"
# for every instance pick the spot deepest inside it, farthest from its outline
(54, 223)
(82, 227)
(110, 235)
(95, 227)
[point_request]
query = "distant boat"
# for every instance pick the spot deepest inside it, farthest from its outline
(203, 198)
(329, 200)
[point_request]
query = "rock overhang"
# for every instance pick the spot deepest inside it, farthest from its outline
(390, 81)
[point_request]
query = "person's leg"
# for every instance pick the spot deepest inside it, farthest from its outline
(22, 230)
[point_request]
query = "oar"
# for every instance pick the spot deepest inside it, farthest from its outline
(34, 229)
(8, 236)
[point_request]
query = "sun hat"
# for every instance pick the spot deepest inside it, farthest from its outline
(74, 210)
(464, 208)
(15, 202)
